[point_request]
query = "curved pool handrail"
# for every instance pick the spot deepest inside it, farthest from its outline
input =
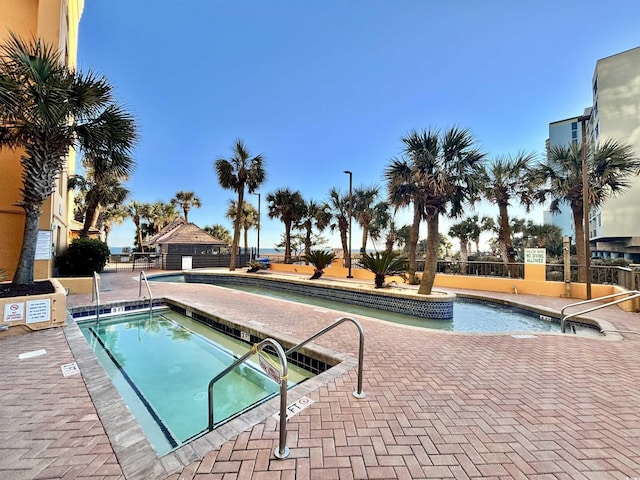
(358, 393)
(143, 276)
(563, 318)
(281, 451)
(95, 294)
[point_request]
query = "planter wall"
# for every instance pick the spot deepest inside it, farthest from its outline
(33, 312)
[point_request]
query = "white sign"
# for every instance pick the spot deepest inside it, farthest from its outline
(44, 244)
(69, 369)
(270, 369)
(296, 407)
(536, 256)
(14, 312)
(39, 310)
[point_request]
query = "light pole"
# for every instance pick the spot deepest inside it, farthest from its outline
(350, 218)
(585, 205)
(258, 194)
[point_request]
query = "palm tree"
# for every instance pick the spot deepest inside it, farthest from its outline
(135, 211)
(439, 176)
(162, 214)
(382, 223)
(116, 213)
(315, 216)
(339, 209)
(248, 219)
(288, 206)
(320, 259)
(505, 179)
(220, 232)
(465, 231)
(363, 210)
(186, 200)
(384, 264)
(236, 173)
(46, 109)
(609, 169)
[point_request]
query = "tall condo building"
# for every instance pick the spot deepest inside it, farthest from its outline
(614, 228)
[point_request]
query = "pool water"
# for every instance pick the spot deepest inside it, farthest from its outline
(472, 316)
(162, 366)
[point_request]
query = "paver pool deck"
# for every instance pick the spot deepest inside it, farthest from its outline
(438, 404)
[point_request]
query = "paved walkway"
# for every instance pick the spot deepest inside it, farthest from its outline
(437, 405)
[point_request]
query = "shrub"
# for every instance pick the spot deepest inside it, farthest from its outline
(85, 256)
(320, 259)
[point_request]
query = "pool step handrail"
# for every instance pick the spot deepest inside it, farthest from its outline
(629, 295)
(358, 393)
(95, 294)
(143, 277)
(281, 451)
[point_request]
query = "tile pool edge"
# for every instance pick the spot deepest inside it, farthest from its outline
(137, 458)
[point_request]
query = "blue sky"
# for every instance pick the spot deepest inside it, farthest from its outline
(319, 87)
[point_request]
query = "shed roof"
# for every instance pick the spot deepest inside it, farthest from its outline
(181, 232)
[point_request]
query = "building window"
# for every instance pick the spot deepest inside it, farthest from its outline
(595, 87)
(574, 134)
(574, 125)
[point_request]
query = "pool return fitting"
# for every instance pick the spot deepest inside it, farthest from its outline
(282, 451)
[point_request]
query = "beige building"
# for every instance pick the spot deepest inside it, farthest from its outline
(614, 229)
(56, 22)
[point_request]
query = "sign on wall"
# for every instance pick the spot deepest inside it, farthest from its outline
(14, 312)
(39, 311)
(535, 256)
(44, 245)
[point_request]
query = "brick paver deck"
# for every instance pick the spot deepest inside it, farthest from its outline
(437, 405)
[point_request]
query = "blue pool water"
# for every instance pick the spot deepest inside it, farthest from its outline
(162, 369)
(471, 316)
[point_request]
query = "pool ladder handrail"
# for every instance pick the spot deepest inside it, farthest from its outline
(281, 451)
(143, 276)
(95, 294)
(358, 393)
(564, 318)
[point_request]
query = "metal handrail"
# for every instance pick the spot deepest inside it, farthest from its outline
(146, 282)
(95, 294)
(281, 451)
(564, 318)
(357, 393)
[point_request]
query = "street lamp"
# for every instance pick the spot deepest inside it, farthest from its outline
(258, 194)
(350, 218)
(585, 205)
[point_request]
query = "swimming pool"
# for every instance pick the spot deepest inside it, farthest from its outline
(469, 315)
(161, 365)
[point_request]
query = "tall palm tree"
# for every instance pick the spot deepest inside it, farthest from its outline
(287, 206)
(248, 219)
(236, 173)
(135, 211)
(117, 214)
(439, 175)
(465, 230)
(610, 168)
(339, 209)
(363, 210)
(46, 109)
(316, 216)
(186, 200)
(505, 179)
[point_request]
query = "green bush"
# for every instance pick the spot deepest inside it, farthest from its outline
(85, 256)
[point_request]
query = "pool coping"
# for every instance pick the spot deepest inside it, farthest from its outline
(135, 454)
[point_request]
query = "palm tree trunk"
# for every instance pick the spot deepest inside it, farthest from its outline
(345, 246)
(236, 230)
(90, 218)
(365, 236)
(287, 242)
(413, 243)
(579, 229)
(246, 240)
(431, 255)
(464, 254)
(24, 270)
